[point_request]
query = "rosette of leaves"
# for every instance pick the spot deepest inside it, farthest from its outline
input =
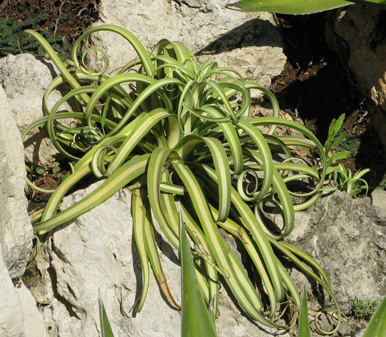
(178, 133)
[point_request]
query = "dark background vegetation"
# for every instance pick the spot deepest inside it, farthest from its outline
(60, 22)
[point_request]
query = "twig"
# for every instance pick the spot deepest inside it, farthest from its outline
(59, 17)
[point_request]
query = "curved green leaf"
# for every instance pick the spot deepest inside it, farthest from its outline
(121, 177)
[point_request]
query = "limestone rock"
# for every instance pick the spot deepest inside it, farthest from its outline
(15, 226)
(247, 41)
(379, 206)
(19, 316)
(97, 252)
(11, 315)
(254, 49)
(25, 80)
(32, 318)
(343, 236)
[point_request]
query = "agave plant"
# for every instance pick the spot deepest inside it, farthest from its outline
(299, 6)
(178, 133)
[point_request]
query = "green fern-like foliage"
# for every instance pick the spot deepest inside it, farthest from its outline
(9, 29)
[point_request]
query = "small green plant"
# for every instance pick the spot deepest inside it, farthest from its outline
(335, 136)
(34, 170)
(299, 6)
(56, 169)
(181, 134)
(340, 177)
(351, 184)
(363, 309)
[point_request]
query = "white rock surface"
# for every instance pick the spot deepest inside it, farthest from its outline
(96, 251)
(15, 226)
(11, 314)
(379, 206)
(25, 80)
(32, 318)
(19, 316)
(247, 41)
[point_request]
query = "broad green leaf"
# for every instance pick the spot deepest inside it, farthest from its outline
(217, 246)
(299, 6)
(106, 330)
(377, 325)
(81, 169)
(288, 6)
(303, 325)
(195, 318)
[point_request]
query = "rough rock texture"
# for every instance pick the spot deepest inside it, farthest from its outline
(358, 34)
(249, 42)
(32, 318)
(15, 226)
(19, 316)
(342, 234)
(25, 80)
(379, 206)
(11, 315)
(96, 252)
